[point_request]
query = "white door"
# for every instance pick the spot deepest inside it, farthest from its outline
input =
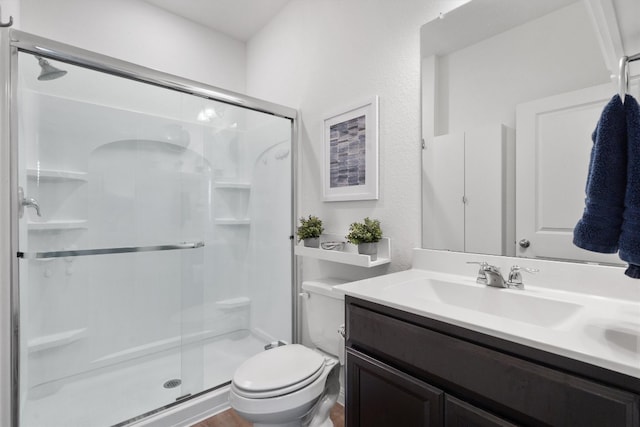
(553, 146)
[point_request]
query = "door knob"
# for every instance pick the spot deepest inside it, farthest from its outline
(524, 243)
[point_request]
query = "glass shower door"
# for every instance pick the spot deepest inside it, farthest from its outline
(155, 250)
(111, 237)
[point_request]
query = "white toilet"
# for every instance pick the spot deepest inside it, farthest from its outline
(293, 385)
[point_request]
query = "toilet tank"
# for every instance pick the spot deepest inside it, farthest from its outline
(324, 308)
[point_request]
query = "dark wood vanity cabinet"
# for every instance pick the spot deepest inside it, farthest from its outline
(407, 370)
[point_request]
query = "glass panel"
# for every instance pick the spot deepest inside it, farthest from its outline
(245, 301)
(100, 350)
(110, 161)
(112, 164)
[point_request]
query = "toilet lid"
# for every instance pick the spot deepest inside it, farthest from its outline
(278, 368)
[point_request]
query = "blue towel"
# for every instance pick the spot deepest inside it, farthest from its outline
(600, 226)
(630, 237)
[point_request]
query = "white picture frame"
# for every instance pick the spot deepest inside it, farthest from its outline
(350, 153)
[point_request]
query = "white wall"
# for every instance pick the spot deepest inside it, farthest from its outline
(322, 55)
(138, 32)
(483, 83)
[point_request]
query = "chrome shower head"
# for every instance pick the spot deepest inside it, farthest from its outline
(49, 72)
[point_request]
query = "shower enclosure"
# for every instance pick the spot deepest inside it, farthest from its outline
(151, 224)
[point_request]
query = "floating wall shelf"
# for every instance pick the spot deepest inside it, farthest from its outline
(349, 255)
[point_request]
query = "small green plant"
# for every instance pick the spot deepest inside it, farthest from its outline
(368, 231)
(310, 227)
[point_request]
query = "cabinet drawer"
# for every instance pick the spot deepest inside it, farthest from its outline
(520, 390)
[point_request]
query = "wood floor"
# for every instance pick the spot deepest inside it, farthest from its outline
(230, 418)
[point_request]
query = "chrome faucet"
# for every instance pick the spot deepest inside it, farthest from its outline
(494, 277)
(29, 202)
(491, 275)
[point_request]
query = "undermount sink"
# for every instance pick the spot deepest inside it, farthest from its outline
(514, 305)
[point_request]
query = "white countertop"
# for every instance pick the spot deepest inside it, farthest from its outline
(604, 330)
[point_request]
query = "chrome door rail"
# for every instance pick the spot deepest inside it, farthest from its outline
(63, 52)
(109, 251)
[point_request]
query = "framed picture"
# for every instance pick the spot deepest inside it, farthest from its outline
(350, 153)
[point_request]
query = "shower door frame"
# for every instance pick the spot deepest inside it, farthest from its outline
(13, 41)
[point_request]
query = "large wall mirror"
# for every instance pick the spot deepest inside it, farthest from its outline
(511, 93)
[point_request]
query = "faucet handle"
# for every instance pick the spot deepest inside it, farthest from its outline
(515, 277)
(482, 277)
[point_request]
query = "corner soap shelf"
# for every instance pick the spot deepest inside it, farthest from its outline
(55, 225)
(230, 185)
(56, 175)
(349, 255)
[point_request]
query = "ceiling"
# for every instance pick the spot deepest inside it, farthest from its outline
(479, 20)
(240, 19)
(615, 22)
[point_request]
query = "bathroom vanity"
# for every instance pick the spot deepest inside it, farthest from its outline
(421, 353)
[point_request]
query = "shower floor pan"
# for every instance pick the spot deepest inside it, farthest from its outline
(127, 390)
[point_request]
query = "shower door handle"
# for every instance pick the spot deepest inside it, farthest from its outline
(29, 202)
(109, 251)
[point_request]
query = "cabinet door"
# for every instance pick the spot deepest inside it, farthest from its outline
(381, 396)
(461, 414)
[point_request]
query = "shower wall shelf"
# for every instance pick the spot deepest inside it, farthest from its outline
(233, 303)
(56, 340)
(232, 185)
(54, 225)
(56, 175)
(349, 255)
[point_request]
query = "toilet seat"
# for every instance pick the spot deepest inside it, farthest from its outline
(278, 371)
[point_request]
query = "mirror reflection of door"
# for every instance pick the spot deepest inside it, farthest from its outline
(476, 74)
(556, 132)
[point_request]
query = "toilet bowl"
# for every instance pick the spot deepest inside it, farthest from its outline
(293, 385)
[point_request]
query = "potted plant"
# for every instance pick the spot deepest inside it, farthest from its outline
(310, 230)
(366, 235)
